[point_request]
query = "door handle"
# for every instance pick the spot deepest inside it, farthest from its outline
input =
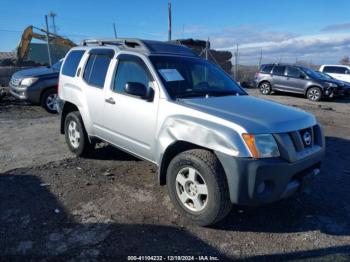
(110, 100)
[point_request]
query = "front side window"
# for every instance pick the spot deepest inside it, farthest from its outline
(193, 77)
(96, 69)
(279, 70)
(130, 71)
(293, 72)
(71, 62)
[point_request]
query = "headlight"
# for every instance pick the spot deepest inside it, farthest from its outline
(262, 145)
(28, 81)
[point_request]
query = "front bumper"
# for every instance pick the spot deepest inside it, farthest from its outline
(334, 92)
(260, 181)
(19, 92)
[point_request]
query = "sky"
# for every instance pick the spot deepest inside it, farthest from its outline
(316, 31)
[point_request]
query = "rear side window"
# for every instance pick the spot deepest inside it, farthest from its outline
(266, 69)
(71, 63)
(335, 69)
(293, 72)
(279, 70)
(96, 69)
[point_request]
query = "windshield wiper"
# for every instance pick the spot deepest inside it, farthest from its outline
(222, 93)
(191, 94)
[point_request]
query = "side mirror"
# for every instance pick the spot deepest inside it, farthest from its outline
(302, 76)
(139, 90)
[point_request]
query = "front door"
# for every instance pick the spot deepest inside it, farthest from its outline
(295, 80)
(130, 121)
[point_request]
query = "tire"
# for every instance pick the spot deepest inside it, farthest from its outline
(203, 170)
(49, 101)
(75, 134)
(314, 94)
(265, 88)
(3, 92)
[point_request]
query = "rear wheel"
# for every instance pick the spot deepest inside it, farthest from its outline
(197, 186)
(314, 94)
(49, 101)
(75, 134)
(265, 88)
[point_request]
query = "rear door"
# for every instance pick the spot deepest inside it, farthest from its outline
(295, 80)
(130, 121)
(93, 78)
(278, 77)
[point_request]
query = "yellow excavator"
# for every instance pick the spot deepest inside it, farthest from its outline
(29, 34)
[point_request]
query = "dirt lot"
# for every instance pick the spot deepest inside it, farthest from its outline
(54, 206)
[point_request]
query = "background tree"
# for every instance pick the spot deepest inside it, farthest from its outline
(345, 61)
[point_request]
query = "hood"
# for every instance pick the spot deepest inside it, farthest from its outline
(333, 81)
(36, 72)
(253, 114)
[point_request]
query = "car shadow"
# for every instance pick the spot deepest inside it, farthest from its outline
(35, 225)
(104, 151)
(344, 100)
(325, 207)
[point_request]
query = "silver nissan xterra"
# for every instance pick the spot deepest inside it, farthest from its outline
(214, 145)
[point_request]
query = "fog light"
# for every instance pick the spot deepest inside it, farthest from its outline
(326, 92)
(261, 188)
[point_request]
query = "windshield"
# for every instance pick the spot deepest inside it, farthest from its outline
(313, 74)
(57, 65)
(193, 77)
(324, 75)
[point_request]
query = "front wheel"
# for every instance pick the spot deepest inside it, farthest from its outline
(197, 186)
(75, 134)
(49, 101)
(314, 94)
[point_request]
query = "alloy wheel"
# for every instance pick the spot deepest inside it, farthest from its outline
(73, 134)
(191, 189)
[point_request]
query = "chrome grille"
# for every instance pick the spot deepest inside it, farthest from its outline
(296, 145)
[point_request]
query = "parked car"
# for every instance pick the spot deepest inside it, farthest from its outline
(37, 86)
(340, 72)
(296, 79)
(344, 85)
(213, 144)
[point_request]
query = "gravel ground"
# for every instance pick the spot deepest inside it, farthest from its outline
(54, 206)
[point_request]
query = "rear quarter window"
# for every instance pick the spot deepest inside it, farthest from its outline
(266, 69)
(71, 62)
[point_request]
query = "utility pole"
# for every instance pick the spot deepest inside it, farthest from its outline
(169, 21)
(260, 59)
(207, 49)
(48, 41)
(53, 15)
(236, 63)
(115, 31)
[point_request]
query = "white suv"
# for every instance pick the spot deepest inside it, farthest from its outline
(340, 72)
(213, 144)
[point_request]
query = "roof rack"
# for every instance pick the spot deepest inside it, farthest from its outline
(127, 43)
(143, 46)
